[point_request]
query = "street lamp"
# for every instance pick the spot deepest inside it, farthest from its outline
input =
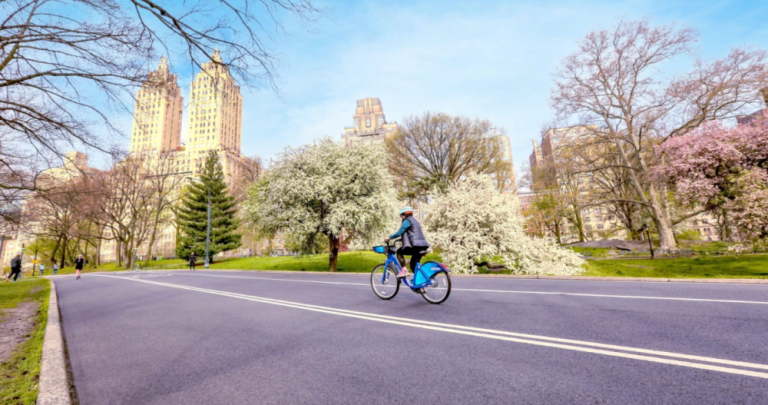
(208, 230)
(648, 235)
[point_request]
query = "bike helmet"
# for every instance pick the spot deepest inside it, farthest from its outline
(406, 210)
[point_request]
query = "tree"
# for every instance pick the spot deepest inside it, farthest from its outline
(434, 150)
(193, 215)
(126, 206)
(472, 231)
(163, 181)
(324, 190)
(66, 65)
(613, 81)
(251, 172)
(724, 169)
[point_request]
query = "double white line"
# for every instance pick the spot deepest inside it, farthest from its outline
(653, 356)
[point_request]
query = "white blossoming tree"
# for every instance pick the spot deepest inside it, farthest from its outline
(473, 223)
(324, 190)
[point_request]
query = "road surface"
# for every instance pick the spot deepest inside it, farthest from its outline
(215, 337)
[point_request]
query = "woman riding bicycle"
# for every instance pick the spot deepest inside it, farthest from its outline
(414, 242)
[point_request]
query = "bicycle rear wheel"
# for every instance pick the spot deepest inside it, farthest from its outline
(384, 282)
(439, 290)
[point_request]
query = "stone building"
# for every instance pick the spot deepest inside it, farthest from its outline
(214, 123)
(505, 180)
(157, 113)
(369, 124)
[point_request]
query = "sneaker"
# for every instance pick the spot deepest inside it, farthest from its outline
(402, 274)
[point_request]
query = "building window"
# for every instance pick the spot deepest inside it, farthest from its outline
(368, 122)
(381, 120)
(599, 226)
(586, 219)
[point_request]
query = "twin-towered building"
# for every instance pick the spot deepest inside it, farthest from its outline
(215, 116)
(215, 121)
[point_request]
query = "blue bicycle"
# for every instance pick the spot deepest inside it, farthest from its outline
(430, 279)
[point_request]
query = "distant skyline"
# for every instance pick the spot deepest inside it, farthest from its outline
(492, 62)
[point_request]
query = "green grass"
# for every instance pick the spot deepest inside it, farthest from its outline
(19, 375)
(154, 264)
(749, 266)
(595, 252)
(350, 262)
(746, 266)
(707, 247)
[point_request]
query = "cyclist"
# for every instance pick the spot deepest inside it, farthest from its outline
(414, 241)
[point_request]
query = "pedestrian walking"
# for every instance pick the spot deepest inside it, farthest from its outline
(42, 269)
(79, 262)
(55, 268)
(15, 268)
(192, 261)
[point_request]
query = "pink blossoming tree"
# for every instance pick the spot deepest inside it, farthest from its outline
(721, 167)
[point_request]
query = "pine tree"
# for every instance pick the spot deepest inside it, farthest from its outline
(193, 214)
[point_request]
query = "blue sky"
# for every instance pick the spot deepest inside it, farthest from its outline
(489, 59)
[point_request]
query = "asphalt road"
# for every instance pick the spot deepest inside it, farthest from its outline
(304, 338)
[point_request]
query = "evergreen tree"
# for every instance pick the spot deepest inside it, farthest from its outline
(193, 214)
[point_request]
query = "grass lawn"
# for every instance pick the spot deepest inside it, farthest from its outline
(749, 266)
(349, 262)
(20, 373)
(171, 263)
(594, 252)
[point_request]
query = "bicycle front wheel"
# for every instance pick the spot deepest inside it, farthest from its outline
(384, 282)
(439, 290)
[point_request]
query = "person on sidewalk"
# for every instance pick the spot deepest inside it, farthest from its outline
(192, 261)
(79, 262)
(55, 268)
(42, 269)
(15, 268)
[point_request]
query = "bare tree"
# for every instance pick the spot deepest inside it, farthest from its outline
(614, 82)
(64, 73)
(251, 171)
(436, 149)
(128, 209)
(164, 183)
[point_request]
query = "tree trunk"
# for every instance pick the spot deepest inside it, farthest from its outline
(151, 243)
(663, 222)
(579, 224)
(55, 250)
(119, 252)
(333, 252)
(63, 252)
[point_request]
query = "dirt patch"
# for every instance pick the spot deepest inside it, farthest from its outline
(15, 326)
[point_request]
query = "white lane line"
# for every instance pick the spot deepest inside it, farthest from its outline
(637, 297)
(500, 335)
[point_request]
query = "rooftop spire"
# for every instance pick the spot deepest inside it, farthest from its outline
(216, 56)
(163, 64)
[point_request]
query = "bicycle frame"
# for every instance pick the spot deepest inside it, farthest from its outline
(392, 258)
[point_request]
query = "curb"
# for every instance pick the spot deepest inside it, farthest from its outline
(525, 277)
(54, 385)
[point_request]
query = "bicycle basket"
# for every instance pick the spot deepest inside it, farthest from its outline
(380, 249)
